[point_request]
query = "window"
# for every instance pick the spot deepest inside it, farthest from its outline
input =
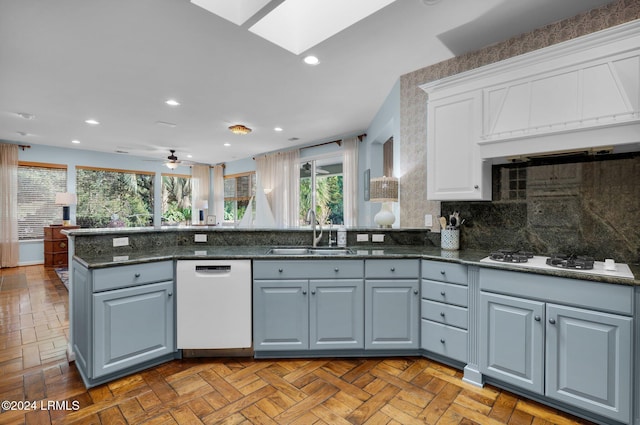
(327, 197)
(238, 191)
(176, 199)
(114, 198)
(38, 184)
(513, 183)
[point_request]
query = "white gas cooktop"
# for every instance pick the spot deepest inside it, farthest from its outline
(539, 262)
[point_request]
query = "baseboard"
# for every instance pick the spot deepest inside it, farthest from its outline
(30, 263)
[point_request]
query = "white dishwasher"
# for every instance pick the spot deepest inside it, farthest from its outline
(213, 301)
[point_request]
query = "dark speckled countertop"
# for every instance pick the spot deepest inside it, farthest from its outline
(469, 257)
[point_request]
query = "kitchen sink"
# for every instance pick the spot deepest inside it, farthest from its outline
(308, 251)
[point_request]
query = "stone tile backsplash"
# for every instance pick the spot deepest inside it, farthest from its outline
(590, 208)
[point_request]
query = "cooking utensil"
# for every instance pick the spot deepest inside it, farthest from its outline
(443, 222)
(453, 221)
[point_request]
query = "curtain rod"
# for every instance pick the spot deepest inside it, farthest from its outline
(339, 142)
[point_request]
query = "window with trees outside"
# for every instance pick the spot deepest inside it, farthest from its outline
(327, 196)
(238, 191)
(176, 199)
(114, 198)
(38, 184)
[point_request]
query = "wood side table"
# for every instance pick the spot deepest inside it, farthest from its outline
(56, 246)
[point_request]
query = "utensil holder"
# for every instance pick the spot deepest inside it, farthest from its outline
(450, 239)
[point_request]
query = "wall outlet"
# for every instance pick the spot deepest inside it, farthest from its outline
(121, 241)
(377, 238)
(428, 220)
(362, 237)
(200, 238)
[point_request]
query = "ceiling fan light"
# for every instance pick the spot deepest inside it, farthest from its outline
(172, 165)
(239, 129)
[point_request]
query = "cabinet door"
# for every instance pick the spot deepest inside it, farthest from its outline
(511, 340)
(391, 314)
(132, 326)
(280, 315)
(455, 170)
(336, 314)
(589, 360)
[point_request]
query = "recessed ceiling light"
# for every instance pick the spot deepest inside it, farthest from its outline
(227, 144)
(76, 142)
(189, 156)
(311, 60)
(277, 129)
(172, 102)
(25, 115)
(92, 121)
(22, 133)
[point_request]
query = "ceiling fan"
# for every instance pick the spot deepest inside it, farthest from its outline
(172, 162)
(306, 169)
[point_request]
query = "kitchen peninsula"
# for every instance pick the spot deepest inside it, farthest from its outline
(457, 309)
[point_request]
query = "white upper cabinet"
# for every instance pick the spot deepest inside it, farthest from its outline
(582, 94)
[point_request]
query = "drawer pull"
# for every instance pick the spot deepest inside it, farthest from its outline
(442, 293)
(442, 340)
(313, 292)
(552, 321)
(442, 272)
(280, 270)
(336, 269)
(304, 292)
(442, 314)
(63, 245)
(536, 318)
(415, 291)
(393, 269)
(137, 275)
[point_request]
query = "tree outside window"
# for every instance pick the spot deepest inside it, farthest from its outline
(176, 199)
(238, 191)
(114, 198)
(328, 198)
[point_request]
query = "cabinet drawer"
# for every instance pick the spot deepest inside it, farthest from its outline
(132, 275)
(308, 269)
(445, 314)
(444, 340)
(56, 246)
(444, 292)
(386, 269)
(56, 259)
(444, 272)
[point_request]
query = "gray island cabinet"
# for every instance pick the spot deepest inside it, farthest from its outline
(123, 319)
(565, 339)
(308, 305)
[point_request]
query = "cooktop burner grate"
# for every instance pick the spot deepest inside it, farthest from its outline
(571, 261)
(511, 256)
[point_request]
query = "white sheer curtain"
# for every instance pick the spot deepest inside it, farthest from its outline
(218, 192)
(9, 246)
(279, 174)
(200, 187)
(350, 181)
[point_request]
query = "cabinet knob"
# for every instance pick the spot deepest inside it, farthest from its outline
(442, 340)
(336, 269)
(442, 314)
(552, 321)
(137, 275)
(476, 187)
(536, 318)
(415, 291)
(441, 271)
(442, 293)
(313, 292)
(280, 270)
(170, 294)
(393, 269)
(63, 245)
(304, 292)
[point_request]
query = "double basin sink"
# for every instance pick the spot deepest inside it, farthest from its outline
(301, 250)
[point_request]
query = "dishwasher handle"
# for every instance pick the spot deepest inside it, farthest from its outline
(213, 269)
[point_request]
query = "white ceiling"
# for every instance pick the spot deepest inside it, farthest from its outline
(117, 61)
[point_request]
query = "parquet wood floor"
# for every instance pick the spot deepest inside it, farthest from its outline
(33, 367)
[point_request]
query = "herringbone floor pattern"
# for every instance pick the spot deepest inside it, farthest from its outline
(33, 326)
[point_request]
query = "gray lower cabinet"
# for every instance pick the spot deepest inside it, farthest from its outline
(444, 309)
(392, 302)
(573, 354)
(303, 305)
(123, 319)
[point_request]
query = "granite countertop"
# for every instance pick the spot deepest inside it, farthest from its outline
(199, 252)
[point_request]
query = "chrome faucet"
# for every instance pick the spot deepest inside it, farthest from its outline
(311, 218)
(332, 240)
